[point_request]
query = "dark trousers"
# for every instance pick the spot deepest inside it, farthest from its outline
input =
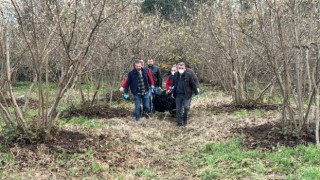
(182, 108)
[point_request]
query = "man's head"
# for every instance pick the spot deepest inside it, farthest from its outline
(150, 62)
(137, 65)
(142, 62)
(173, 69)
(181, 67)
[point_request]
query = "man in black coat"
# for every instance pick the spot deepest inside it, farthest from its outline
(156, 74)
(183, 86)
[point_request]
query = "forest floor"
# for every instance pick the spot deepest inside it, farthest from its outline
(106, 142)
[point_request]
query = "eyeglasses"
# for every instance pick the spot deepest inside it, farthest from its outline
(181, 68)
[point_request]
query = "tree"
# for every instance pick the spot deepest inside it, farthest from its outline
(171, 10)
(47, 27)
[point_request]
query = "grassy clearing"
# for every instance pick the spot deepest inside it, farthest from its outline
(227, 159)
(120, 148)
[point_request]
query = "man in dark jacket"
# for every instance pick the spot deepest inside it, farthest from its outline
(183, 85)
(156, 73)
(139, 83)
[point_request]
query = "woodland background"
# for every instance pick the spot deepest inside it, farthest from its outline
(256, 51)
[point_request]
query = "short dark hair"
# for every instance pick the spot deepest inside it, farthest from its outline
(136, 61)
(181, 64)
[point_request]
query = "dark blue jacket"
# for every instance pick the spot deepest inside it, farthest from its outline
(132, 82)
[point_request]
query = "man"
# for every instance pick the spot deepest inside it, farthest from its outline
(189, 70)
(183, 85)
(170, 77)
(156, 73)
(139, 83)
(123, 85)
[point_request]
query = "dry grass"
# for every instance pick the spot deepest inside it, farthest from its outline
(158, 144)
(155, 145)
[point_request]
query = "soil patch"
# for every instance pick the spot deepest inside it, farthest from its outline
(67, 143)
(96, 111)
(32, 104)
(222, 107)
(269, 136)
(117, 96)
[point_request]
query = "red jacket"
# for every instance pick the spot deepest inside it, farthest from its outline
(149, 75)
(168, 82)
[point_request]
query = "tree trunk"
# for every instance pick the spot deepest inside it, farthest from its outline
(20, 119)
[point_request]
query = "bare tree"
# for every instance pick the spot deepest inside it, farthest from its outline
(264, 45)
(48, 27)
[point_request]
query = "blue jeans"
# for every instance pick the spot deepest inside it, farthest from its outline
(182, 108)
(145, 104)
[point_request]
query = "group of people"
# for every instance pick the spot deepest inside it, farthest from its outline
(143, 81)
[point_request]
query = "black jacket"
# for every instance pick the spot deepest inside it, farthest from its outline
(189, 84)
(156, 74)
(194, 76)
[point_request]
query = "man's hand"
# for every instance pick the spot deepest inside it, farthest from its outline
(198, 90)
(121, 89)
(170, 89)
(126, 96)
(152, 89)
(157, 90)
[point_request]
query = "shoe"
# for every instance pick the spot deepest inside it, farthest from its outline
(147, 115)
(184, 123)
(179, 124)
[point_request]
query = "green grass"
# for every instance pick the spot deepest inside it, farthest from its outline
(241, 113)
(79, 163)
(227, 159)
(23, 86)
(145, 173)
(83, 121)
(245, 113)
